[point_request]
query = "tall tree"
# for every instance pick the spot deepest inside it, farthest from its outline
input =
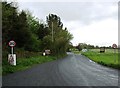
(38, 28)
(60, 37)
(9, 20)
(39, 31)
(42, 31)
(14, 25)
(21, 34)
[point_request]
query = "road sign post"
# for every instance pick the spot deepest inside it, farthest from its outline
(114, 46)
(12, 56)
(12, 50)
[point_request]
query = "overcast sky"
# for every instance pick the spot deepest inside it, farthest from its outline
(90, 21)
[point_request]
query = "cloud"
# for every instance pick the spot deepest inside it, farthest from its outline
(102, 33)
(85, 12)
(65, 0)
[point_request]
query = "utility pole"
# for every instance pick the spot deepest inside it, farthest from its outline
(52, 31)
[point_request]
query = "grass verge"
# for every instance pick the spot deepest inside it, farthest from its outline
(24, 63)
(107, 59)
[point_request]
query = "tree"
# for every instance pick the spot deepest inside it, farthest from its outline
(97, 47)
(79, 47)
(47, 43)
(9, 20)
(33, 22)
(34, 44)
(32, 35)
(39, 32)
(21, 34)
(15, 26)
(42, 31)
(60, 37)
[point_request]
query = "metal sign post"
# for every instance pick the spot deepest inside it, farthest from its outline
(115, 54)
(12, 56)
(11, 50)
(114, 46)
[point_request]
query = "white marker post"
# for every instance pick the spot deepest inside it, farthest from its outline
(12, 56)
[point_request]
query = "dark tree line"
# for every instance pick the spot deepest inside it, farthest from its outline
(32, 35)
(81, 46)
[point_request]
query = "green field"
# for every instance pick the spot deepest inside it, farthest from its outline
(109, 58)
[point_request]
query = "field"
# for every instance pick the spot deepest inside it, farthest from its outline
(109, 58)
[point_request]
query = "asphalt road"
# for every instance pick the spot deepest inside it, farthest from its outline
(74, 70)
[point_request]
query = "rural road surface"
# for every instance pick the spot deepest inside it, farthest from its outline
(74, 70)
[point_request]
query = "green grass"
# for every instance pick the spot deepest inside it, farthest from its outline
(24, 63)
(109, 58)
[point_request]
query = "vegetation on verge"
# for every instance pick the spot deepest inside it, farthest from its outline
(31, 36)
(25, 63)
(109, 58)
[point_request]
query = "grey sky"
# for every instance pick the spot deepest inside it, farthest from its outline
(83, 19)
(69, 11)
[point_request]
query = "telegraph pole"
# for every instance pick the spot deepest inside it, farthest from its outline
(52, 31)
